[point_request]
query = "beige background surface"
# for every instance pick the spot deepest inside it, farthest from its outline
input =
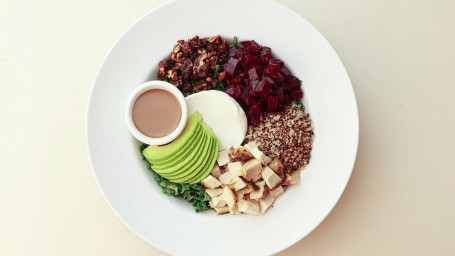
(400, 56)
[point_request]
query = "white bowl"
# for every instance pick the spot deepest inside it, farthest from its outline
(171, 224)
(129, 112)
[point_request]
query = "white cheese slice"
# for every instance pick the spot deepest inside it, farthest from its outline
(222, 113)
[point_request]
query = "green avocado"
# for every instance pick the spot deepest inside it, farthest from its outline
(181, 156)
(209, 165)
(190, 161)
(193, 171)
(159, 153)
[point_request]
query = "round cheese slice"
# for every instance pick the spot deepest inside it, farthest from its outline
(222, 113)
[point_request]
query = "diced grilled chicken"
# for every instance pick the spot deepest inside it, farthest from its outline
(277, 191)
(238, 195)
(212, 192)
(249, 146)
(252, 170)
(238, 183)
(228, 196)
(270, 177)
(216, 172)
(240, 154)
(247, 189)
(251, 207)
(277, 167)
(235, 169)
(225, 178)
(265, 203)
(223, 157)
(259, 193)
(210, 182)
(234, 210)
(218, 202)
(292, 178)
(259, 155)
(222, 210)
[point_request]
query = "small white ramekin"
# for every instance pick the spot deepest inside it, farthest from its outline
(129, 112)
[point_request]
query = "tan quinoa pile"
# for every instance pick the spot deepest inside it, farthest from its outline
(287, 135)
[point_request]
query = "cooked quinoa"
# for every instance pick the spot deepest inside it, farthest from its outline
(287, 135)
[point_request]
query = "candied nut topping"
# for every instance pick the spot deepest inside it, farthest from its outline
(287, 135)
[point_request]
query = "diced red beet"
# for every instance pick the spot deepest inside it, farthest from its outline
(269, 82)
(273, 66)
(237, 80)
(244, 75)
(260, 89)
(292, 85)
(272, 103)
(227, 82)
(264, 58)
(281, 108)
(259, 68)
(279, 62)
(253, 74)
(249, 60)
(256, 108)
(276, 76)
(284, 99)
(247, 82)
(230, 91)
(236, 52)
(230, 66)
(285, 72)
(245, 44)
(247, 99)
(255, 119)
(297, 95)
(265, 49)
(238, 90)
(253, 49)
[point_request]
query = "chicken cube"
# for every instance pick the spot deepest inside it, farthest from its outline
(235, 169)
(259, 193)
(252, 170)
(228, 196)
(212, 192)
(210, 182)
(234, 210)
(265, 203)
(249, 146)
(292, 178)
(225, 178)
(277, 167)
(216, 171)
(238, 195)
(259, 155)
(251, 207)
(270, 177)
(217, 202)
(247, 189)
(238, 183)
(223, 157)
(222, 210)
(240, 154)
(277, 191)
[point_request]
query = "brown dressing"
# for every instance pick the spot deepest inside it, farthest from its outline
(156, 113)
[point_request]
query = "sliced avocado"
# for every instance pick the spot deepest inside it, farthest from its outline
(154, 153)
(209, 165)
(193, 171)
(182, 156)
(189, 161)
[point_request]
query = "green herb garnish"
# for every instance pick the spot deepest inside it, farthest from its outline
(217, 68)
(220, 87)
(298, 102)
(233, 42)
(193, 193)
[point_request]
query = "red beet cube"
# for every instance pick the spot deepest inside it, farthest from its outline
(292, 85)
(256, 108)
(279, 62)
(244, 75)
(285, 72)
(238, 90)
(253, 49)
(273, 66)
(247, 99)
(260, 89)
(272, 103)
(284, 99)
(259, 68)
(237, 80)
(265, 49)
(264, 58)
(230, 91)
(276, 76)
(231, 66)
(245, 44)
(297, 95)
(249, 60)
(236, 52)
(253, 74)
(269, 82)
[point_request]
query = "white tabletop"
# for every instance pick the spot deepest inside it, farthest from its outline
(399, 54)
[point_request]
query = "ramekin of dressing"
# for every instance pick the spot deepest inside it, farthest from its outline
(156, 112)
